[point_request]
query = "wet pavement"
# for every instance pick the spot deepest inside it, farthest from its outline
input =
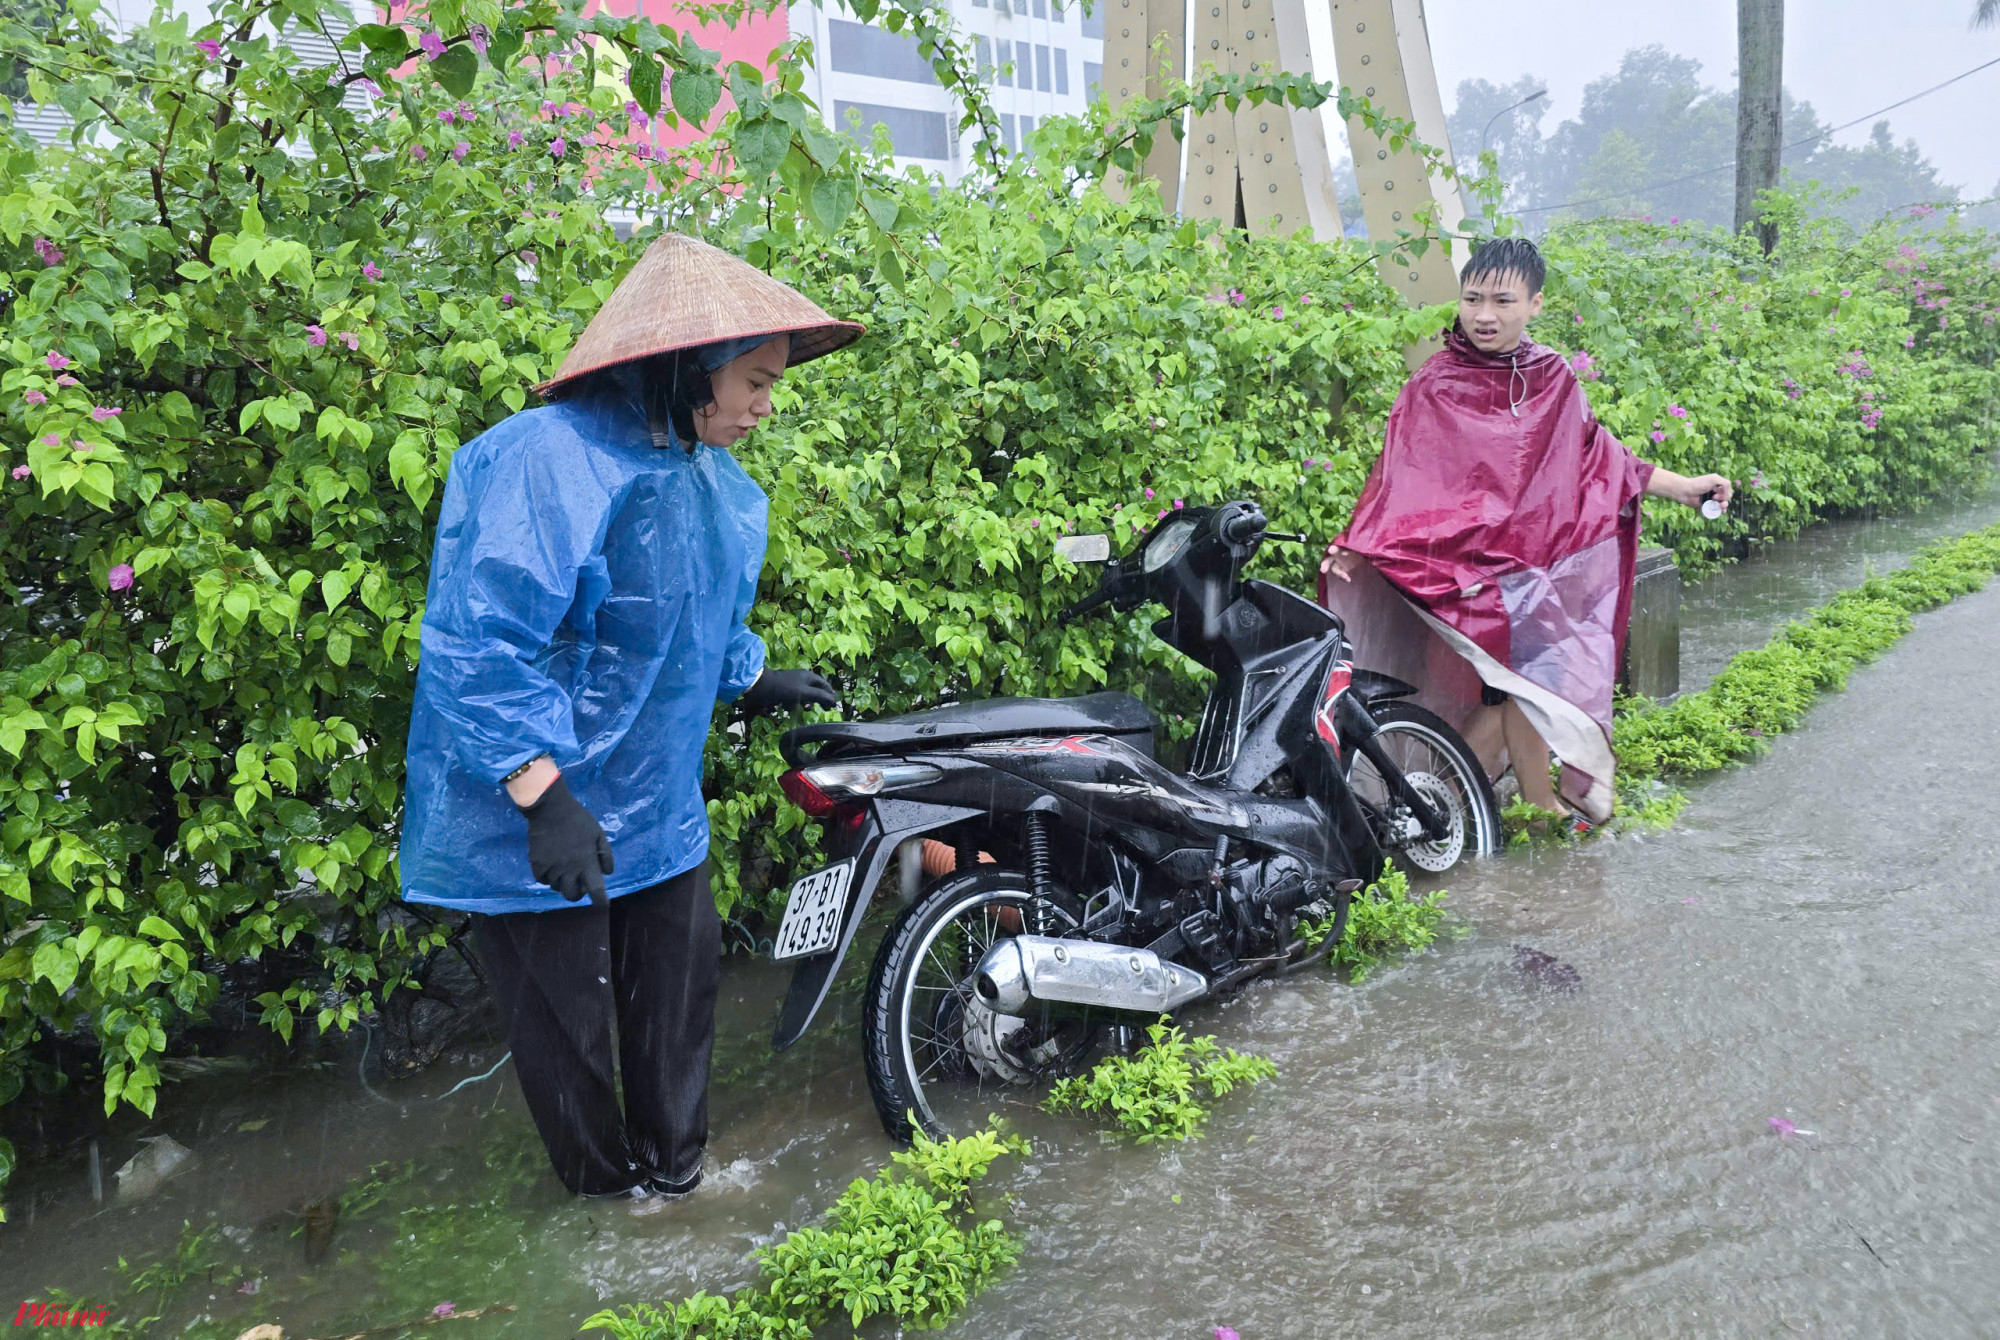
(1462, 1145)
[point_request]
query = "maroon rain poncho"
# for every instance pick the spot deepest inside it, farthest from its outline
(1508, 516)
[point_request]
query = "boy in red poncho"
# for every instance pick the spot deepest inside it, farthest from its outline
(1508, 517)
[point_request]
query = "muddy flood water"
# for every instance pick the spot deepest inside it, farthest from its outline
(1451, 1148)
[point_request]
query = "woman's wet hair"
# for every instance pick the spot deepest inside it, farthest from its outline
(681, 388)
(1498, 257)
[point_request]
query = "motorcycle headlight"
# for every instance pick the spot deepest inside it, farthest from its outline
(870, 779)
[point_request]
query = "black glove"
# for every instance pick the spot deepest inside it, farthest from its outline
(566, 849)
(777, 690)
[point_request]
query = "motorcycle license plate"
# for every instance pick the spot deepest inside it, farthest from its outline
(812, 917)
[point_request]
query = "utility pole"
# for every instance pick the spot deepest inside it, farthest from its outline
(1760, 53)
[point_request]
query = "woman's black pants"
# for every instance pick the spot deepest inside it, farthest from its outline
(638, 976)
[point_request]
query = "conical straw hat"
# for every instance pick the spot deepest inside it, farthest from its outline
(683, 293)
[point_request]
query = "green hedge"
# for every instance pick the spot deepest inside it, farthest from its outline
(213, 593)
(1766, 691)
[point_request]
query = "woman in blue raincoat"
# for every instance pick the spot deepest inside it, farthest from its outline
(595, 562)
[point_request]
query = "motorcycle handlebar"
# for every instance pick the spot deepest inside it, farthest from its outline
(1242, 527)
(1086, 605)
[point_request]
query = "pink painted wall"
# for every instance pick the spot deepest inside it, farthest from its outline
(750, 40)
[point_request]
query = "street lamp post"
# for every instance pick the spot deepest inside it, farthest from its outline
(1503, 111)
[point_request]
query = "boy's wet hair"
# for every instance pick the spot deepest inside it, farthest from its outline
(1498, 257)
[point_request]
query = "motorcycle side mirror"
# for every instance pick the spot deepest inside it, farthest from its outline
(1084, 548)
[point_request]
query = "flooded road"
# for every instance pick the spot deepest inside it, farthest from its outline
(1450, 1148)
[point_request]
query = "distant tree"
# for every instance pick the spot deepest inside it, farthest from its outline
(1652, 138)
(1880, 175)
(1515, 139)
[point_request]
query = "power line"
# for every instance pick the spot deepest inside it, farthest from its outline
(1810, 139)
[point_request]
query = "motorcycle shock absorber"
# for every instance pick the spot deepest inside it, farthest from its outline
(1041, 888)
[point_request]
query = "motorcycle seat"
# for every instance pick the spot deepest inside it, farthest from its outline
(1115, 714)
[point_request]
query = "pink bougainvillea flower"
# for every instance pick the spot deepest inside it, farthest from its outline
(638, 116)
(515, 139)
(1149, 495)
(22, 472)
(316, 336)
(531, 258)
(444, 1309)
(1311, 462)
(371, 270)
(1226, 1333)
(50, 253)
(448, 115)
(1179, 502)
(1034, 523)
(119, 577)
(506, 300)
(550, 109)
(480, 35)
(1786, 1130)
(1236, 297)
(105, 413)
(57, 362)
(573, 108)
(65, 380)
(432, 45)
(351, 340)
(374, 89)
(1677, 411)
(1675, 219)
(558, 147)
(51, 439)
(36, 398)
(210, 48)
(460, 150)
(1657, 435)
(418, 152)
(1163, 512)
(1277, 314)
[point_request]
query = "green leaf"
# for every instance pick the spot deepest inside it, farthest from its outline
(644, 82)
(759, 146)
(456, 69)
(56, 964)
(695, 94)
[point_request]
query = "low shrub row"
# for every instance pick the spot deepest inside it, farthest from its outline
(1766, 691)
(905, 1244)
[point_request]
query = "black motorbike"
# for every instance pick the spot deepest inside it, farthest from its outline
(1094, 887)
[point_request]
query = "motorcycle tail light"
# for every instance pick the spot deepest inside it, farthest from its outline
(799, 789)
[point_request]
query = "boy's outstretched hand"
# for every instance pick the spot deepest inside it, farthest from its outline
(1681, 489)
(1339, 563)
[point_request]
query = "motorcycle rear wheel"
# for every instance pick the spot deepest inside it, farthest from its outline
(1445, 771)
(927, 1041)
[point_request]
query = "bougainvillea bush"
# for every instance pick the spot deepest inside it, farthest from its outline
(250, 316)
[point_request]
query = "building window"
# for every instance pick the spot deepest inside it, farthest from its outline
(1062, 70)
(1027, 128)
(1041, 9)
(982, 48)
(1024, 65)
(1042, 68)
(1007, 130)
(857, 48)
(914, 134)
(1093, 22)
(1093, 79)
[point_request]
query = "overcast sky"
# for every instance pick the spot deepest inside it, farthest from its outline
(1845, 57)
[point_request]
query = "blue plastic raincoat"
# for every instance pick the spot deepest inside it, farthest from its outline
(587, 598)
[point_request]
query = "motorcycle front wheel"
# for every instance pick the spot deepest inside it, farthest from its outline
(1445, 772)
(935, 1054)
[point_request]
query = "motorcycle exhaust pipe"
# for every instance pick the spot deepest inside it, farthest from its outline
(1025, 970)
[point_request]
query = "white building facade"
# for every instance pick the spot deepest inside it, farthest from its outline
(1040, 58)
